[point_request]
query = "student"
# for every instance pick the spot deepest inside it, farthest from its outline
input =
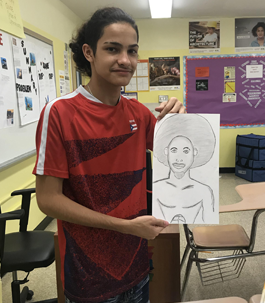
(180, 198)
(91, 168)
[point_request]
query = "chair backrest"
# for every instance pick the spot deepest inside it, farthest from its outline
(254, 229)
(25, 204)
(2, 236)
(188, 235)
(22, 215)
(13, 215)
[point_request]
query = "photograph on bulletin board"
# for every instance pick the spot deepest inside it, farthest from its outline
(249, 34)
(204, 36)
(164, 73)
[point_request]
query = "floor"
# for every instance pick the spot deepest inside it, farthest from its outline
(250, 282)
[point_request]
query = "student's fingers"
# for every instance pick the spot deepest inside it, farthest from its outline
(165, 107)
(160, 223)
(173, 105)
(181, 109)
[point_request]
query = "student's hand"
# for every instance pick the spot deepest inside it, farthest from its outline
(147, 227)
(173, 105)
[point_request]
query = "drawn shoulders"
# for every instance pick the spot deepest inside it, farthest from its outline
(161, 187)
(161, 182)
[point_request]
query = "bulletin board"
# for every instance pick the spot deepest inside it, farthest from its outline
(17, 136)
(231, 85)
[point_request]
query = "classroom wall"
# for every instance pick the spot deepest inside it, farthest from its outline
(168, 38)
(53, 20)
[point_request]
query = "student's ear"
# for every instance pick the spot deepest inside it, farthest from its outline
(88, 52)
(166, 151)
(195, 152)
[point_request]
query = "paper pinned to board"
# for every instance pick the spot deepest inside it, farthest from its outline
(10, 18)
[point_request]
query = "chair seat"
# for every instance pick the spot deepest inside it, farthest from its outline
(27, 250)
(220, 236)
(255, 299)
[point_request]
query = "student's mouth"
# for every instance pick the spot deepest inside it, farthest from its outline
(122, 71)
(179, 165)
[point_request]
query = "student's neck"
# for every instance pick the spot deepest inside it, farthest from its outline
(107, 94)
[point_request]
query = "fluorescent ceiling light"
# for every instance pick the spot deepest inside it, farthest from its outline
(160, 8)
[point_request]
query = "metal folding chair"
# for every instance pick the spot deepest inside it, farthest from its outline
(226, 238)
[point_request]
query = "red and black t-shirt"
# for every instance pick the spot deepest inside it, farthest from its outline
(99, 151)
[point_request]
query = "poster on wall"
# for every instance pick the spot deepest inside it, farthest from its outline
(25, 67)
(204, 36)
(164, 73)
(10, 18)
(140, 79)
(7, 92)
(249, 34)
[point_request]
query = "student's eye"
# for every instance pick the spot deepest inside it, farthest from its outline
(133, 51)
(174, 150)
(112, 49)
(186, 151)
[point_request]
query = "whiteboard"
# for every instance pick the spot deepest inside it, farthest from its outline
(18, 142)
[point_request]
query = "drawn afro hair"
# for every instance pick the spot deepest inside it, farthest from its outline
(194, 127)
(255, 28)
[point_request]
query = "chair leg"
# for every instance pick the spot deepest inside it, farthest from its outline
(24, 294)
(15, 288)
(184, 256)
(187, 274)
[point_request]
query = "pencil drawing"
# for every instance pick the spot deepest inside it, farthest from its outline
(181, 143)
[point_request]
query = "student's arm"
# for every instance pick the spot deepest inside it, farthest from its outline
(55, 204)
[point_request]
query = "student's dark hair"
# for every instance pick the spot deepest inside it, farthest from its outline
(92, 30)
(255, 28)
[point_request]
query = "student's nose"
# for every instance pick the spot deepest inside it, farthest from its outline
(124, 59)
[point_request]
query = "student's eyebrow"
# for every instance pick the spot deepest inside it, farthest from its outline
(186, 148)
(119, 44)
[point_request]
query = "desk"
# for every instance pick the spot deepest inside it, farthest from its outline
(253, 196)
(165, 285)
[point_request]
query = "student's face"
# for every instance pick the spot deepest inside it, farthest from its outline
(116, 56)
(180, 154)
(260, 32)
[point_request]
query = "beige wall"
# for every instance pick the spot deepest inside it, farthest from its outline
(169, 37)
(53, 20)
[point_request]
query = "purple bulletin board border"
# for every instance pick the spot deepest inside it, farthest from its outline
(185, 79)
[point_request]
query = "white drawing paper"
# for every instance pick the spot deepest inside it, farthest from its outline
(186, 169)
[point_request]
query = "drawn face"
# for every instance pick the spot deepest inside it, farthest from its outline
(260, 32)
(116, 57)
(180, 154)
